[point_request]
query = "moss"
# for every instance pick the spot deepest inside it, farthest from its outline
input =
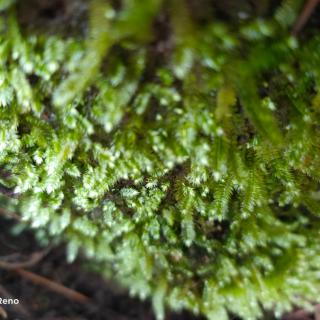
(185, 162)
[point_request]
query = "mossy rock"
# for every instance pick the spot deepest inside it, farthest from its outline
(178, 149)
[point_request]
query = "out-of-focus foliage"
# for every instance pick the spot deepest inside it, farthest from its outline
(191, 175)
(5, 4)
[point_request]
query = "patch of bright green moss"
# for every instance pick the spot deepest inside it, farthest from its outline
(194, 181)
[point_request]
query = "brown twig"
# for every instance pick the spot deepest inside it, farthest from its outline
(317, 312)
(304, 16)
(297, 315)
(3, 313)
(33, 260)
(302, 314)
(53, 286)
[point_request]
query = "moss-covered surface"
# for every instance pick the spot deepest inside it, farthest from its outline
(178, 148)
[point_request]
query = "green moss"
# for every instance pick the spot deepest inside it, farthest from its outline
(187, 167)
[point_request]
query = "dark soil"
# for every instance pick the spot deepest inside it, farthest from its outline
(64, 17)
(108, 302)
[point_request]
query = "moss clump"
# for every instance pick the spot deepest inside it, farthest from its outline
(180, 152)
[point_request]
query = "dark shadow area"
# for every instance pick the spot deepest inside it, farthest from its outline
(107, 300)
